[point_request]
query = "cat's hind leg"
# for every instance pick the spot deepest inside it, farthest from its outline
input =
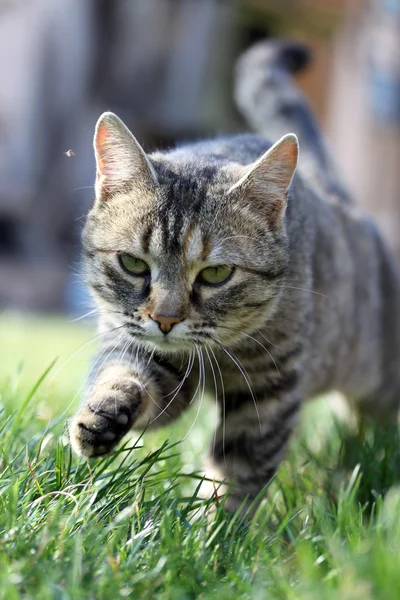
(380, 409)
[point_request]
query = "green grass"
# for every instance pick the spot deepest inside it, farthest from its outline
(131, 525)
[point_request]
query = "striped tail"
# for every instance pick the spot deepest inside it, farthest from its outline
(273, 106)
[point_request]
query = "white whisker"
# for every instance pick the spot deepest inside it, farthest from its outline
(223, 402)
(262, 346)
(216, 397)
(257, 342)
(91, 312)
(85, 381)
(199, 381)
(234, 237)
(247, 380)
(84, 187)
(105, 360)
(265, 338)
(202, 375)
(292, 287)
(177, 389)
(82, 347)
(185, 376)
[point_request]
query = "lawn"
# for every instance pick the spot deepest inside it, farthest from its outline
(132, 526)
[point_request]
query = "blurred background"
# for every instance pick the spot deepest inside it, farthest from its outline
(165, 66)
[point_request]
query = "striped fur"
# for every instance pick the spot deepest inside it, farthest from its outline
(312, 304)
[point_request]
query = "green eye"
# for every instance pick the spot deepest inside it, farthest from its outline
(215, 275)
(135, 266)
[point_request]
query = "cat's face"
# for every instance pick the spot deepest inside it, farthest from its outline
(183, 253)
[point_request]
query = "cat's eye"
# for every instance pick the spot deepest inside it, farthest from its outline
(133, 265)
(215, 275)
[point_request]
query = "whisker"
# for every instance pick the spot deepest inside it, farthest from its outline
(117, 342)
(216, 397)
(292, 287)
(239, 331)
(262, 346)
(86, 379)
(255, 340)
(265, 338)
(106, 359)
(127, 347)
(223, 402)
(233, 237)
(199, 381)
(91, 312)
(84, 187)
(151, 357)
(82, 347)
(246, 378)
(151, 398)
(191, 356)
(201, 370)
(177, 389)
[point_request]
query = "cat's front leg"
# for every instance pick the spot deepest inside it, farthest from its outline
(114, 402)
(132, 394)
(250, 445)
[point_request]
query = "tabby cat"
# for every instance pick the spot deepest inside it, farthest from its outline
(218, 269)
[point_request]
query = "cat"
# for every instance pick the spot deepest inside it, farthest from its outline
(229, 266)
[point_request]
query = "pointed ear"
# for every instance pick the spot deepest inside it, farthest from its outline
(266, 182)
(120, 159)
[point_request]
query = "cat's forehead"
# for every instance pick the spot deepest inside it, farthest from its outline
(182, 239)
(184, 219)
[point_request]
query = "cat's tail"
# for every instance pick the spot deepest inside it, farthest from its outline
(273, 106)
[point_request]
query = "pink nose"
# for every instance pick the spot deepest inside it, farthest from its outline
(165, 323)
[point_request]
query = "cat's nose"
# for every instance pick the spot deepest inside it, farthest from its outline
(165, 323)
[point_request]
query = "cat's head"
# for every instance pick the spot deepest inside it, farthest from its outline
(183, 250)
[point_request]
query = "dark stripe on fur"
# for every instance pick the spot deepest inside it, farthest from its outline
(145, 239)
(134, 292)
(282, 385)
(163, 362)
(271, 389)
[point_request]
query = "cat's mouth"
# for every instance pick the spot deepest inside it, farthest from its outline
(172, 342)
(165, 343)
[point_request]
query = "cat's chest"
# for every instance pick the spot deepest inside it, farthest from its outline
(228, 370)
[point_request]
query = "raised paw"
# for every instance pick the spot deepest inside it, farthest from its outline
(108, 414)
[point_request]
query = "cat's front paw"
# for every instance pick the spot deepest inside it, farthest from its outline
(111, 409)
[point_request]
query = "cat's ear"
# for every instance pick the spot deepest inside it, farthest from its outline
(120, 159)
(266, 182)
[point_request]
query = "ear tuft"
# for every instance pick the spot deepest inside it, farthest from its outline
(119, 157)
